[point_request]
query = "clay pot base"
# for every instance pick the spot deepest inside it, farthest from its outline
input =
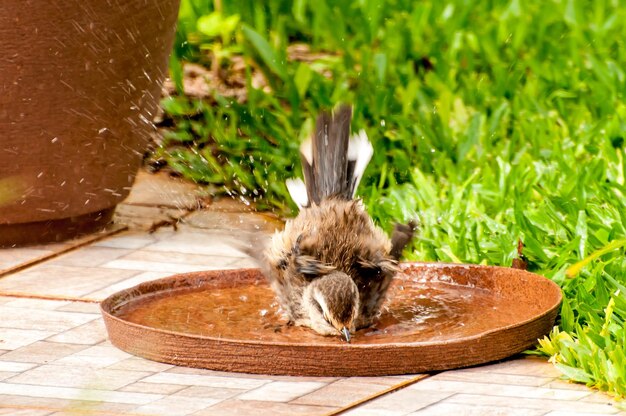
(52, 231)
(437, 317)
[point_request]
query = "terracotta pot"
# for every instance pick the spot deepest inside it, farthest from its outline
(80, 81)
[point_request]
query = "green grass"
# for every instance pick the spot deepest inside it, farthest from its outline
(492, 121)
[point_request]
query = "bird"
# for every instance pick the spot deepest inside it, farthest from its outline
(330, 267)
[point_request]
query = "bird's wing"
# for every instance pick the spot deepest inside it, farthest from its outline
(373, 278)
(310, 267)
(402, 235)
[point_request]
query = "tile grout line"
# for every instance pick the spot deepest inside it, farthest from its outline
(76, 411)
(87, 241)
(452, 394)
(22, 295)
(377, 395)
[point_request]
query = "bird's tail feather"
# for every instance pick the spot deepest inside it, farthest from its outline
(333, 162)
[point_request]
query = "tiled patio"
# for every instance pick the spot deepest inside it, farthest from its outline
(55, 358)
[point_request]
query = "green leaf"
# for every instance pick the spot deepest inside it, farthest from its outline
(214, 24)
(380, 64)
(210, 25)
(571, 14)
(299, 8)
(581, 232)
(574, 374)
(267, 53)
(176, 72)
(613, 245)
(302, 78)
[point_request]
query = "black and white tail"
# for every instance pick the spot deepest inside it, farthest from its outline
(333, 162)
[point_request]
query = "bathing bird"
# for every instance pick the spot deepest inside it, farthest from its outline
(331, 265)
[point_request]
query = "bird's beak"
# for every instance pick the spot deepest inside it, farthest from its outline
(346, 334)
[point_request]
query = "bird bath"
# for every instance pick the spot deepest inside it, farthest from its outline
(437, 317)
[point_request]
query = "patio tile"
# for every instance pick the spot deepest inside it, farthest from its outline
(128, 240)
(244, 263)
(24, 412)
(249, 221)
(226, 204)
(11, 339)
(205, 372)
(90, 333)
(265, 377)
(127, 283)
(209, 262)
(340, 393)
(13, 366)
(220, 393)
(446, 409)
(28, 303)
(41, 352)
(385, 380)
(233, 407)
(42, 320)
(598, 397)
(494, 378)
(97, 356)
(174, 257)
(570, 413)
(566, 385)
(88, 256)
(175, 406)
(161, 189)
(432, 384)
(207, 243)
(361, 411)
(155, 266)
(165, 389)
(206, 381)
(63, 280)
(65, 406)
(76, 376)
(79, 394)
(147, 218)
(19, 256)
(10, 257)
(530, 403)
(6, 374)
(281, 391)
(82, 307)
(519, 365)
(399, 403)
(140, 364)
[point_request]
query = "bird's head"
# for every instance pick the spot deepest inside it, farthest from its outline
(332, 303)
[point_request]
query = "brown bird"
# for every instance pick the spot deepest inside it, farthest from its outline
(331, 266)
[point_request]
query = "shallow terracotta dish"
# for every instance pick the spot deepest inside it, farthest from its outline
(437, 317)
